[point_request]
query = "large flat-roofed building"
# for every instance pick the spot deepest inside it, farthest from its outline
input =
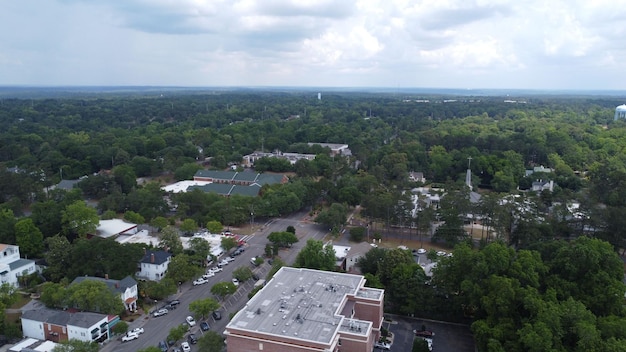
(309, 310)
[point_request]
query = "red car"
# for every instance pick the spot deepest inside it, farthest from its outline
(423, 333)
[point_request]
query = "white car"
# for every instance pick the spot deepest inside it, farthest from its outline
(160, 312)
(229, 259)
(208, 275)
(421, 251)
(130, 336)
(383, 346)
(216, 269)
(200, 281)
(190, 320)
(223, 262)
(235, 282)
(185, 346)
(137, 331)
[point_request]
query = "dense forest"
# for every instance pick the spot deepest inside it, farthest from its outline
(109, 140)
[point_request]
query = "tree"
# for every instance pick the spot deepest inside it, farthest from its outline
(223, 289)
(7, 226)
(420, 345)
(357, 234)
(57, 257)
(53, 295)
(291, 229)
(282, 239)
(189, 226)
(74, 345)
(170, 241)
(121, 327)
(200, 249)
(333, 217)
(180, 269)
(160, 289)
(242, 273)
(177, 332)
(369, 263)
(211, 342)
(203, 307)
(214, 226)
(315, 255)
(134, 217)
(159, 222)
(93, 296)
(79, 219)
(228, 243)
(28, 238)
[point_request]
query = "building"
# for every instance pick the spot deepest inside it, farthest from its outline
(355, 253)
(153, 265)
(335, 149)
(309, 310)
(62, 325)
(125, 288)
(239, 178)
(33, 345)
(12, 266)
(114, 227)
(620, 112)
(250, 159)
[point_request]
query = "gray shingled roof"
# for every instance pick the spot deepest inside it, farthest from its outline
(160, 257)
(63, 318)
(117, 286)
(20, 263)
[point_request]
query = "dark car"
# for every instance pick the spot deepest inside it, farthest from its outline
(204, 326)
(174, 302)
(217, 315)
(176, 349)
(170, 306)
(171, 342)
(255, 277)
(163, 346)
(192, 339)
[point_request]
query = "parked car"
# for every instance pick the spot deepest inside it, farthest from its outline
(230, 259)
(382, 345)
(255, 277)
(192, 339)
(423, 333)
(174, 302)
(208, 275)
(204, 326)
(160, 312)
(235, 281)
(253, 261)
(130, 336)
(200, 281)
(222, 263)
(185, 346)
(176, 349)
(169, 306)
(216, 269)
(137, 331)
(163, 346)
(217, 315)
(190, 320)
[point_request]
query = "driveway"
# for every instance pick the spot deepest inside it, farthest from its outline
(449, 337)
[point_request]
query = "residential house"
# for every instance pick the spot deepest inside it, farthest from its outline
(125, 288)
(153, 265)
(12, 266)
(335, 149)
(309, 310)
(417, 177)
(355, 253)
(63, 325)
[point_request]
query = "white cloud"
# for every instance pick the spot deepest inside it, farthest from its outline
(433, 43)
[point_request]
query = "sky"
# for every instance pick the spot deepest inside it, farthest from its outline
(466, 44)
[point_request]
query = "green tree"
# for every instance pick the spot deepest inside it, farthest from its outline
(57, 257)
(177, 332)
(214, 226)
(74, 345)
(79, 219)
(315, 255)
(28, 238)
(242, 273)
(357, 234)
(203, 307)
(7, 226)
(333, 217)
(53, 295)
(369, 263)
(282, 239)
(181, 269)
(420, 345)
(228, 243)
(200, 249)
(170, 241)
(93, 296)
(121, 327)
(223, 289)
(159, 222)
(189, 226)
(160, 289)
(134, 217)
(211, 342)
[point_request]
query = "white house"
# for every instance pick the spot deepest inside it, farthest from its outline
(126, 288)
(12, 266)
(153, 265)
(60, 325)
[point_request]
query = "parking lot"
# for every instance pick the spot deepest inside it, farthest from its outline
(449, 337)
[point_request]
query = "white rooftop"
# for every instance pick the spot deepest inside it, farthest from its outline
(182, 186)
(108, 228)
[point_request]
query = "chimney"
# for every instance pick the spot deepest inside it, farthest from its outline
(117, 285)
(106, 276)
(152, 258)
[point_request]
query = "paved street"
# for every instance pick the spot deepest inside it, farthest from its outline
(157, 329)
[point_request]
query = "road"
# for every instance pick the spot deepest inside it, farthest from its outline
(157, 329)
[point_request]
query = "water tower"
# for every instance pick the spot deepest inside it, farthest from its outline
(620, 112)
